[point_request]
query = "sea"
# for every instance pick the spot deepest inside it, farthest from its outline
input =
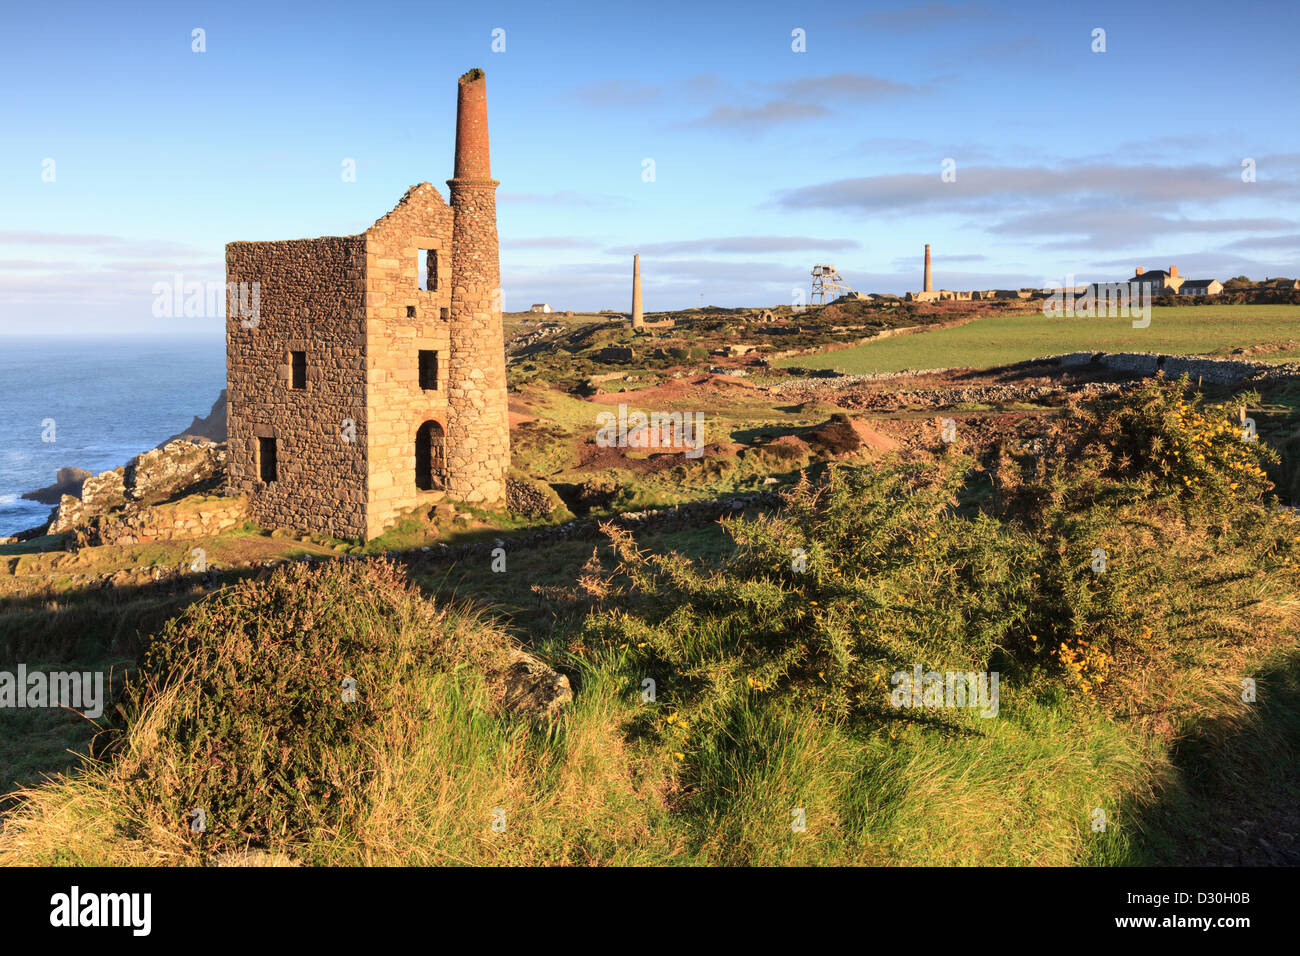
(93, 403)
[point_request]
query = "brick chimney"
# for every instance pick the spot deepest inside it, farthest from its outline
(1173, 270)
(927, 285)
(1139, 271)
(478, 431)
(472, 128)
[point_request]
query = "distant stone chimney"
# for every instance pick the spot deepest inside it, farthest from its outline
(1139, 271)
(638, 319)
(1173, 270)
(927, 285)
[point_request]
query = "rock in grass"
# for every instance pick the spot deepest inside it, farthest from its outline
(533, 689)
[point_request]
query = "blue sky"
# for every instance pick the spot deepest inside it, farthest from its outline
(766, 160)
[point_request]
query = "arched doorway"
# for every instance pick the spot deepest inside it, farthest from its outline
(430, 457)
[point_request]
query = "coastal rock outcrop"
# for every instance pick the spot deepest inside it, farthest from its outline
(212, 428)
(67, 481)
(177, 466)
(99, 494)
(180, 467)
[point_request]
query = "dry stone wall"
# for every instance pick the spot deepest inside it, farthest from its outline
(190, 518)
(1213, 370)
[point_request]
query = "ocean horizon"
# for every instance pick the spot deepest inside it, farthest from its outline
(94, 403)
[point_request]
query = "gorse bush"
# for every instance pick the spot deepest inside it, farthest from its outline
(871, 573)
(1130, 494)
(1163, 434)
(262, 701)
(1159, 439)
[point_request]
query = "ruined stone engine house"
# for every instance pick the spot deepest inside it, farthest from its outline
(372, 377)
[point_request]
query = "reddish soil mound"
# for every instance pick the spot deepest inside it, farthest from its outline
(846, 436)
(788, 441)
(593, 457)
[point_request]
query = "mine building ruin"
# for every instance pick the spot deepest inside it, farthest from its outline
(373, 378)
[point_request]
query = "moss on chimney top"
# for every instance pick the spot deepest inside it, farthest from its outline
(472, 75)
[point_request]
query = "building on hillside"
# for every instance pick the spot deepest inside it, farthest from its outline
(1160, 281)
(541, 307)
(372, 377)
(1201, 287)
(1285, 285)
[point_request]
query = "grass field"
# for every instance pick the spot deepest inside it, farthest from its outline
(999, 340)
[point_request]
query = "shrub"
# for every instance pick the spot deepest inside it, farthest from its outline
(871, 573)
(1126, 494)
(244, 705)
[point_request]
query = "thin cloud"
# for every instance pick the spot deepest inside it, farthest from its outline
(548, 242)
(1116, 228)
(58, 239)
(1144, 184)
(119, 245)
(772, 113)
(1267, 242)
(1195, 265)
(801, 99)
(857, 86)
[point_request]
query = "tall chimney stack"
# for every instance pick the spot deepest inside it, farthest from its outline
(638, 319)
(478, 430)
(927, 285)
(1173, 271)
(472, 128)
